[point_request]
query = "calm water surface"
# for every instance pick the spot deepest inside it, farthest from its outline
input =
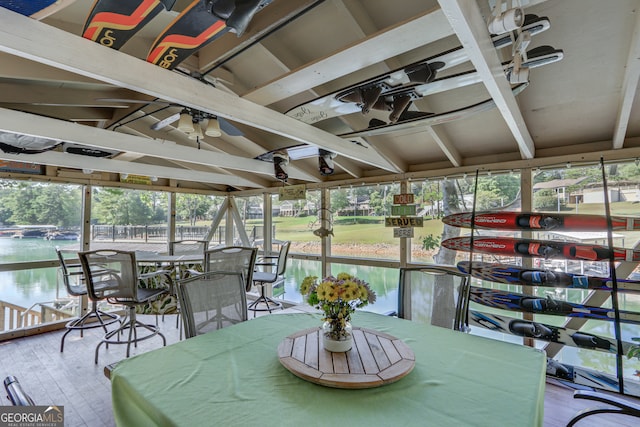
(27, 287)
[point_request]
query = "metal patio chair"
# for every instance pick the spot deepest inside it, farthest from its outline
(212, 300)
(113, 274)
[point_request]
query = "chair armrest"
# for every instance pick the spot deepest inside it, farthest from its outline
(621, 406)
(266, 263)
(608, 399)
(152, 274)
(75, 273)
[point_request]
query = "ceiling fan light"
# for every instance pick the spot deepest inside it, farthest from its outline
(213, 128)
(197, 132)
(185, 124)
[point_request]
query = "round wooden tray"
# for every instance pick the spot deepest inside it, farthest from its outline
(375, 359)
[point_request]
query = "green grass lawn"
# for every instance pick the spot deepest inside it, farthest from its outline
(617, 208)
(361, 229)
(371, 229)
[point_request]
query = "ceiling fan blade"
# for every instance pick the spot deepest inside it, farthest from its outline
(166, 122)
(228, 128)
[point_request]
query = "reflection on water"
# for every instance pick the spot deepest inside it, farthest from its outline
(384, 281)
(27, 287)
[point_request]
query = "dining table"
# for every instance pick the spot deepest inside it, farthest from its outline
(165, 258)
(233, 376)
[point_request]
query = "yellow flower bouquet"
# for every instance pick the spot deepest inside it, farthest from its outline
(338, 297)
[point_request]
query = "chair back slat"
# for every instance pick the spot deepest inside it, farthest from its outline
(74, 288)
(238, 259)
(448, 310)
(188, 247)
(282, 258)
(211, 301)
(110, 274)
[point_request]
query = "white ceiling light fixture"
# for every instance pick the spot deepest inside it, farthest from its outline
(185, 124)
(213, 128)
(196, 133)
(509, 20)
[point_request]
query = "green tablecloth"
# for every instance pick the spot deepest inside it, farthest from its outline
(232, 377)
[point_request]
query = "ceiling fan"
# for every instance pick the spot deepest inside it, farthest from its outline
(190, 121)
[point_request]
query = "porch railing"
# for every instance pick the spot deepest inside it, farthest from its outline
(13, 316)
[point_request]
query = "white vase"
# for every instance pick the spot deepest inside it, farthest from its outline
(336, 345)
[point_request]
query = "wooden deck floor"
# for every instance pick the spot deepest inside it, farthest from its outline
(72, 380)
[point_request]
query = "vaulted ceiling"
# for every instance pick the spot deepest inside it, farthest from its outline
(56, 84)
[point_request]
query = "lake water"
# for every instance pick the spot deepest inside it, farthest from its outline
(27, 287)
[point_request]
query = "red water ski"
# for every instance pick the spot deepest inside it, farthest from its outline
(198, 25)
(510, 246)
(112, 23)
(541, 221)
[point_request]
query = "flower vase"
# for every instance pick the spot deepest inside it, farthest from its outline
(336, 340)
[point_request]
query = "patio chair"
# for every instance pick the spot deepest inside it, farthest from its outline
(262, 279)
(73, 279)
(450, 289)
(189, 246)
(239, 259)
(16, 393)
(113, 274)
(211, 301)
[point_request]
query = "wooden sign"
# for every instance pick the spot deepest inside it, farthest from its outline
(403, 210)
(135, 179)
(409, 221)
(292, 192)
(402, 199)
(21, 167)
(403, 232)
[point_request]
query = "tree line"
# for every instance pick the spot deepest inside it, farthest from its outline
(28, 203)
(33, 203)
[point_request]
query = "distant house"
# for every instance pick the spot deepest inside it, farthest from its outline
(254, 212)
(292, 208)
(621, 191)
(361, 205)
(560, 187)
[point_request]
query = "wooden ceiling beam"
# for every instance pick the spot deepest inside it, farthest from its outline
(73, 114)
(629, 86)
(267, 20)
(469, 25)
(34, 40)
(28, 124)
(445, 145)
(56, 158)
(376, 48)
